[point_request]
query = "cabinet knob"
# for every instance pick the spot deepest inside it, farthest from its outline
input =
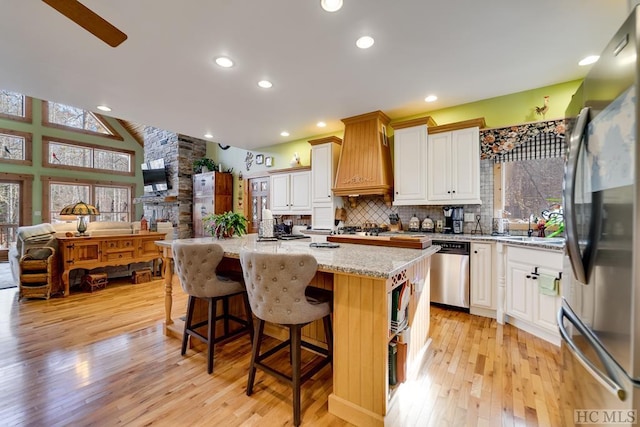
(328, 195)
(454, 191)
(448, 192)
(528, 276)
(475, 252)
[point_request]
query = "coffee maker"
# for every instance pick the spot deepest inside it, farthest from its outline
(453, 219)
(458, 220)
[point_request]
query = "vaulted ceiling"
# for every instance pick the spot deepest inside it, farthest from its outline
(164, 74)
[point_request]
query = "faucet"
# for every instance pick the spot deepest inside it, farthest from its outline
(530, 230)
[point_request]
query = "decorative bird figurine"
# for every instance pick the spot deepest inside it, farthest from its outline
(542, 110)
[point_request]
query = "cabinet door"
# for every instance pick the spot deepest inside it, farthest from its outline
(321, 173)
(280, 193)
(465, 165)
(300, 197)
(439, 169)
(545, 307)
(519, 287)
(410, 166)
(322, 216)
(203, 184)
(481, 275)
(202, 206)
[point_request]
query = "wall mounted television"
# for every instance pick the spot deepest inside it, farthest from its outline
(154, 176)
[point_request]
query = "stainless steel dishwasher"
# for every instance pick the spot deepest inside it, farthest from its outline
(450, 274)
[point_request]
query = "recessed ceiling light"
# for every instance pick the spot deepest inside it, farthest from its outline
(321, 124)
(103, 108)
(431, 98)
(265, 84)
(331, 5)
(208, 135)
(589, 60)
(365, 42)
(284, 133)
(224, 62)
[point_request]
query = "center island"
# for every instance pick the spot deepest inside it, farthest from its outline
(364, 280)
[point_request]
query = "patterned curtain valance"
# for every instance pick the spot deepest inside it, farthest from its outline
(547, 138)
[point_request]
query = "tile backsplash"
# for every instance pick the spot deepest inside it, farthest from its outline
(373, 209)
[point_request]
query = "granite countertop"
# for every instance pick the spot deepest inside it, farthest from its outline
(554, 244)
(361, 260)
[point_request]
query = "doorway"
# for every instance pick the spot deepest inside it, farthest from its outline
(10, 210)
(258, 200)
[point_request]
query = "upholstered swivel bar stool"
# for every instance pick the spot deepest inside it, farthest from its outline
(278, 293)
(195, 264)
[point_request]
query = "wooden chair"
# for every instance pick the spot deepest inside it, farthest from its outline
(195, 264)
(278, 293)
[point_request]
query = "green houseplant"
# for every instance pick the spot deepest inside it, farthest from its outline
(206, 162)
(225, 225)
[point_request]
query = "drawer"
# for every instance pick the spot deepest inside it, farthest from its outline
(118, 244)
(119, 256)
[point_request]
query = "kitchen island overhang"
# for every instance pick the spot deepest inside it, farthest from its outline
(363, 279)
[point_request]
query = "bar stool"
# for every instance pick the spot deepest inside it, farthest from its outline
(278, 293)
(195, 264)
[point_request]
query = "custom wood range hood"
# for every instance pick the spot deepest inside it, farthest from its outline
(364, 167)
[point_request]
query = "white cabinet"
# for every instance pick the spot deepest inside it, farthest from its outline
(527, 306)
(410, 161)
(325, 153)
(453, 163)
(290, 193)
(481, 276)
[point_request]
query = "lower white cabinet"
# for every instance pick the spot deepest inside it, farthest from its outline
(527, 307)
(481, 277)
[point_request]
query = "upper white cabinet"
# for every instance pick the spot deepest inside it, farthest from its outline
(325, 153)
(410, 161)
(290, 193)
(453, 163)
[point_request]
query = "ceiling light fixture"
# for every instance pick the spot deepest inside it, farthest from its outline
(103, 108)
(589, 60)
(265, 84)
(224, 62)
(431, 98)
(284, 133)
(331, 5)
(208, 135)
(365, 42)
(321, 124)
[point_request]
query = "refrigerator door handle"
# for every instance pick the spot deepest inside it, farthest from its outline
(572, 241)
(606, 381)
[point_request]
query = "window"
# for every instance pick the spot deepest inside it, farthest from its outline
(532, 186)
(64, 116)
(72, 155)
(15, 106)
(15, 147)
(112, 200)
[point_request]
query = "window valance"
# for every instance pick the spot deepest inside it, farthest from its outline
(536, 140)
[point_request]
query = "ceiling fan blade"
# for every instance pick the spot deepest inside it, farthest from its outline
(89, 20)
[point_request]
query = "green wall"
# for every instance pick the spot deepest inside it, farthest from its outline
(37, 170)
(500, 111)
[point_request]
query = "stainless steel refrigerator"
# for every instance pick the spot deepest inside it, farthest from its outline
(599, 320)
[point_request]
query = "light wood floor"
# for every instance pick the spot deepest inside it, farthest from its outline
(102, 359)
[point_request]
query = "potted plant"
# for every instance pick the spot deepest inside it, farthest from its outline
(225, 225)
(204, 162)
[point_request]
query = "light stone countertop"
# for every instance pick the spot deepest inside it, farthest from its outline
(534, 244)
(360, 260)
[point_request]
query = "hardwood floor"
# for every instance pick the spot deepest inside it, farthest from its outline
(102, 359)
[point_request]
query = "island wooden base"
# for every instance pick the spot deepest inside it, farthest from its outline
(361, 328)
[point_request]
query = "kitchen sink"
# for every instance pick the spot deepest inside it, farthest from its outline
(533, 239)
